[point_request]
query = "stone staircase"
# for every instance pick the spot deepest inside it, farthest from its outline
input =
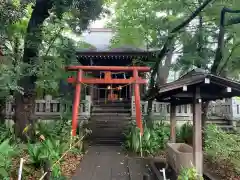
(224, 124)
(108, 121)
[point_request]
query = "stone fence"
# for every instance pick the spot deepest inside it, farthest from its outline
(228, 109)
(49, 107)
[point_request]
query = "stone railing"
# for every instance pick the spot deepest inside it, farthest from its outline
(50, 107)
(163, 109)
(227, 109)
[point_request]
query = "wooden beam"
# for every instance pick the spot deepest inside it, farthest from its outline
(173, 123)
(191, 95)
(107, 68)
(113, 81)
(108, 81)
(197, 132)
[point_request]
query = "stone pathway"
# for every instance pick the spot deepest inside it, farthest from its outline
(103, 163)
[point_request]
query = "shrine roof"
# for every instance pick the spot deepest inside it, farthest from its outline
(116, 56)
(211, 87)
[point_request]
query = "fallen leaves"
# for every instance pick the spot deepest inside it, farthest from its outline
(70, 164)
(223, 169)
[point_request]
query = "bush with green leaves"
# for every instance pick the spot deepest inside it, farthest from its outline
(7, 152)
(54, 130)
(185, 133)
(54, 143)
(154, 138)
(189, 174)
(48, 150)
(222, 146)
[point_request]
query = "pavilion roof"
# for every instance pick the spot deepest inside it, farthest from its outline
(211, 87)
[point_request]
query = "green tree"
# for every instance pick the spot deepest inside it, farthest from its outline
(188, 29)
(77, 14)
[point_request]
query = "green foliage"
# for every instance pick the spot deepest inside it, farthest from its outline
(186, 133)
(56, 49)
(141, 22)
(220, 145)
(189, 174)
(48, 150)
(54, 140)
(36, 156)
(4, 133)
(77, 13)
(154, 139)
(6, 153)
(59, 130)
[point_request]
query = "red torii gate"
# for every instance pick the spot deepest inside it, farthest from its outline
(107, 80)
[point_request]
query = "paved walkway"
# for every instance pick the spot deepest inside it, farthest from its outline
(103, 163)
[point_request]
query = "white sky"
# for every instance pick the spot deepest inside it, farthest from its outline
(99, 23)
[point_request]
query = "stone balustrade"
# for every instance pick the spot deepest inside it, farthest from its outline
(163, 110)
(228, 109)
(52, 107)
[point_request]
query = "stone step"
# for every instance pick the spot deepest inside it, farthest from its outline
(110, 107)
(114, 126)
(107, 132)
(218, 122)
(110, 114)
(108, 141)
(118, 137)
(123, 105)
(109, 118)
(111, 139)
(111, 101)
(111, 110)
(108, 129)
(110, 123)
(226, 127)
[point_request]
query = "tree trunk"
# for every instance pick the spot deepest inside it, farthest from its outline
(25, 104)
(163, 72)
(2, 108)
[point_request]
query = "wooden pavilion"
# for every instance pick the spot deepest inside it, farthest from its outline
(194, 88)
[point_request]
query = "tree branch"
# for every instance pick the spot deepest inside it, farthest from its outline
(229, 57)
(172, 35)
(219, 51)
(53, 40)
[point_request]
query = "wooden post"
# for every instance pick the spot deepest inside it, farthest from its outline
(173, 123)
(137, 102)
(77, 99)
(197, 132)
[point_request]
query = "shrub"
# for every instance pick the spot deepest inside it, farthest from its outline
(154, 139)
(6, 153)
(220, 145)
(186, 133)
(48, 150)
(189, 174)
